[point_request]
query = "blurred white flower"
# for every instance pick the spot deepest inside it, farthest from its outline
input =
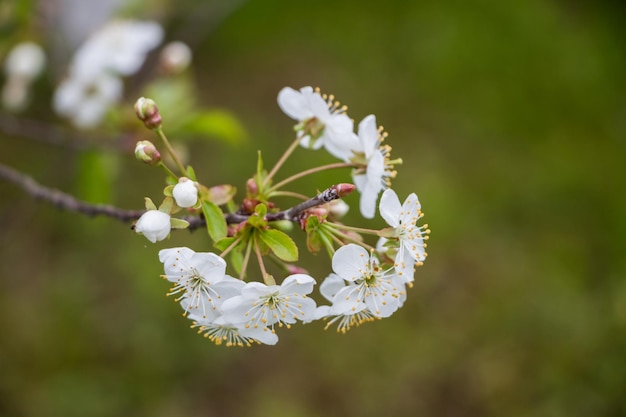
(120, 47)
(85, 102)
(322, 123)
(175, 57)
(23, 64)
(26, 60)
(155, 225)
(93, 83)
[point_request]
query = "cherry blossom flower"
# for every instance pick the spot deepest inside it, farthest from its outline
(155, 225)
(85, 101)
(378, 169)
(381, 290)
(409, 238)
(329, 289)
(262, 306)
(200, 279)
(220, 332)
(185, 193)
(322, 123)
(93, 84)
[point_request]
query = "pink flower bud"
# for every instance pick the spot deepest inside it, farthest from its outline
(145, 151)
(148, 112)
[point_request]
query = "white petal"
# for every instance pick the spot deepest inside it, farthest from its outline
(297, 284)
(210, 266)
(294, 104)
(331, 285)
(368, 135)
(347, 301)
(390, 208)
(350, 262)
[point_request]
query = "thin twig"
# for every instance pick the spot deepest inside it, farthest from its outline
(68, 202)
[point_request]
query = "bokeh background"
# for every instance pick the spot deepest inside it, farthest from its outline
(511, 120)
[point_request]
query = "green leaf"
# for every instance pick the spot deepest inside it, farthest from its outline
(313, 239)
(280, 243)
(191, 173)
(224, 243)
(215, 221)
(179, 223)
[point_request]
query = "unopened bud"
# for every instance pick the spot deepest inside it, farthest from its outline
(145, 151)
(344, 189)
(252, 187)
(338, 208)
(175, 57)
(148, 112)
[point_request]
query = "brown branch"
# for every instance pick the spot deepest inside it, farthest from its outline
(68, 202)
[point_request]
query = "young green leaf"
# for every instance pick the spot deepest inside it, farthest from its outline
(215, 221)
(280, 243)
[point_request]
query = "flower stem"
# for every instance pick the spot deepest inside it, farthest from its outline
(230, 247)
(167, 170)
(354, 229)
(246, 259)
(312, 171)
(282, 160)
(261, 263)
(166, 142)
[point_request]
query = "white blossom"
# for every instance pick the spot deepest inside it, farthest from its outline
(262, 306)
(185, 193)
(410, 245)
(155, 225)
(199, 281)
(378, 169)
(345, 320)
(322, 123)
(381, 290)
(220, 332)
(94, 82)
(86, 101)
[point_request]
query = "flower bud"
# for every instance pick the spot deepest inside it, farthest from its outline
(175, 57)
(145, 151)
(154, 225)
(148, 112)
(185, 193)
(252, 187)
(338, 208)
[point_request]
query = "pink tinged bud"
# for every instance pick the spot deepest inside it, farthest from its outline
(145, 151)
(252, 187)
(344, 189)
(294, 269)
(154, 225)
(148, 112)
(185, 193)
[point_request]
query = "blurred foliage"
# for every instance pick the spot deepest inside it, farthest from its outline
(510, 117)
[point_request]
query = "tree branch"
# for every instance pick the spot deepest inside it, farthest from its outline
(68, 202)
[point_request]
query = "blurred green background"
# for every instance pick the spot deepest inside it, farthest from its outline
(510, 117)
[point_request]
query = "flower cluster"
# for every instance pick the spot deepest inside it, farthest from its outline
(94, 81)
(367, 282)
